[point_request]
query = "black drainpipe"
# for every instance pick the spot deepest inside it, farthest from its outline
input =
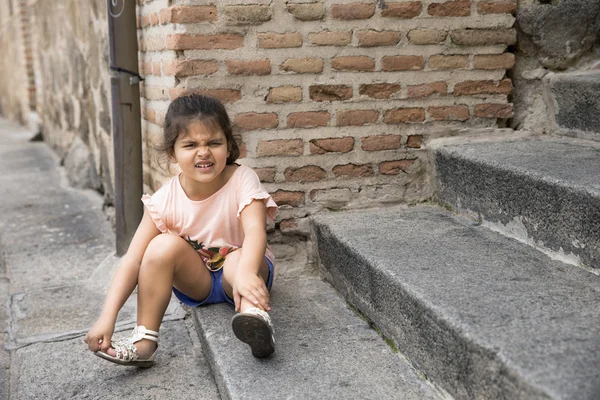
(126, 121)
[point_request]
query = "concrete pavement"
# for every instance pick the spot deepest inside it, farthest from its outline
(56, 260)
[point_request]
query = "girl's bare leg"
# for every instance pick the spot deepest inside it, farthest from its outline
(230, 269)
(168, 261)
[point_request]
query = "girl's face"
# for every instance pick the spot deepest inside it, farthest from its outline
(202, 155)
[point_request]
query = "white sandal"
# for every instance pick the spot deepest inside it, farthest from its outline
(254, 327)
(126, 351)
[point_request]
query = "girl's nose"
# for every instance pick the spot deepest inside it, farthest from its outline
(202, 150)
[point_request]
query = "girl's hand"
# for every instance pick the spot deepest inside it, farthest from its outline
(252, 288)
(99, 336)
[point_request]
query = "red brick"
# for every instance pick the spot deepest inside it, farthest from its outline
(427, 89)
(454, 8)
(154, 19)
(225, 95)
(356, 117)
(330, 92)
(303, 65)
(494, 110)
(180, 41)
(381, 142)
(395, 167)
(247, 14)
(376, 38)
(352, 11)
(188, 15)
(289, 198)
(353, 63)
(190, 67)
(286, 147)
(494, 61)
(309, 173)
(149, 115)
(427, 36)
(145, 68)
(156, 69)
(248, 67)
(484, 37)
(404, 115)
(308, 119)
(252, 121)
(449, 113)
(414, 141)
(332, 145)
(405, 10)
(441, 61)
(353, 170)
(266, 174)
(402, 63)
(326, 38)
(284, 94)
(279, 40)
(379, 90)
(496, 7)
(483, 87)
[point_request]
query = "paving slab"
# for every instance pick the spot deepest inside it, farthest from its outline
(323, 350)
(481, 314)
(543, 191)
(67, 370)
(51, 233)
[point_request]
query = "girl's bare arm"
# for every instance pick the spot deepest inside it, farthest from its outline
(122, 285)
(253, 252)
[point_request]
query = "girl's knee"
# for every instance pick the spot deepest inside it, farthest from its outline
(163, 249)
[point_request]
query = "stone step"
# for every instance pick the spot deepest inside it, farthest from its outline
(545, 192)
(576, 101)
(482, 315)
(323, 350)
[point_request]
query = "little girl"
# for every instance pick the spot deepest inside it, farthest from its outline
(203, 236)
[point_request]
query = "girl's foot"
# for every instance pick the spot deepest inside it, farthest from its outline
(125, 351)
(254, 327)
(144, 349)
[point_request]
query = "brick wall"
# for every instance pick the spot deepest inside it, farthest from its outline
(333, 101)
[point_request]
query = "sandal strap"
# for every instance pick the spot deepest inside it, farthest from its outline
(145, 333)
(125, 349)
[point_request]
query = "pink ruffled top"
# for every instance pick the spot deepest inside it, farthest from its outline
(212, 226)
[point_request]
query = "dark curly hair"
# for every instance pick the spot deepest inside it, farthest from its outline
(195, 107)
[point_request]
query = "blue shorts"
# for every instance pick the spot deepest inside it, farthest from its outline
(217, 293)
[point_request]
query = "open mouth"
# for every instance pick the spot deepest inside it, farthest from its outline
(204, 165)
